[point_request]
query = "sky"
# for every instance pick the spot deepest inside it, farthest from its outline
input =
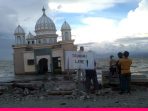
(100, 25)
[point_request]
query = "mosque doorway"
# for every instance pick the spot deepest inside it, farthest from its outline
(56, 65)
(43, 66)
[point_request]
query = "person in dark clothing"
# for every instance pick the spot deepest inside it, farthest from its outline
(90, 76)
(112, 64)
(91, 79)
(125, 64)
(120, 56)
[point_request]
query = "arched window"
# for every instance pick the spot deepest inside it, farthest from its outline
(19, 40)
(66, 36)
(28, 42)
(32, 42)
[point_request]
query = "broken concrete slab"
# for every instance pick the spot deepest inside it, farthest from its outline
(31, 86)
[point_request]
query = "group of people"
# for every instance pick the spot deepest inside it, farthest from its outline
(121, 68)
(90, 79)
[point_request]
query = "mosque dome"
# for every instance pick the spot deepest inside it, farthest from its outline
(29, 36)
(44, 23)
(19, 30)
(65, 26)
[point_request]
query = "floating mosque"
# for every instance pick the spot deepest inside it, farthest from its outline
(42, 53)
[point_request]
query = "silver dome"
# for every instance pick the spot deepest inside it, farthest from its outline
(44, 24)
(29, 36)
(19, 30)
(65, 26)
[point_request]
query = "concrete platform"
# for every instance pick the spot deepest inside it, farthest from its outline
(136, 78)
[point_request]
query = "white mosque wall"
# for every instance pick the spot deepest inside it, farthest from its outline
(19, 60)
(29, 56)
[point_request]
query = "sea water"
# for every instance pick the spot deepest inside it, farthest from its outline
(139, 67)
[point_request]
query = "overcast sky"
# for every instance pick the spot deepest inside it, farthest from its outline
(115, 22)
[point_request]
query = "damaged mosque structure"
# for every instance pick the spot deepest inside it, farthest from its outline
(42, 52)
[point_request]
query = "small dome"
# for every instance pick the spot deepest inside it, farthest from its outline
(19, 30)
(29, 36)
(65, 26)
(44, 23)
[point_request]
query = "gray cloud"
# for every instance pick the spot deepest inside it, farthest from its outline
(132, 40)
(136, 46)
(17, 12)
(12, 13)
(8, 21)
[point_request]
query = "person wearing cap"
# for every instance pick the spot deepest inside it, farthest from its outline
(125, 64)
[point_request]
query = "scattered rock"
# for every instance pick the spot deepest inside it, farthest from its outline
(63, 104)
(3, 88)
(69, 96)
(105, 91)
(1, 93)
(54, 79)
(67, 77)
(26, 91)
(63, 86)
(41, 97)
(116, 101)
(32, 92)
(31, 86)
(60, 92)
(49, 86)
(87, 106)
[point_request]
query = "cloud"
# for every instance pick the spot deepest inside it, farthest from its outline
(132, 40)
(138, 47)
(135, 24)
(13, 13)
(7, 22)
(99, 29)
(83, 6)
(96, 29)
(20, 12)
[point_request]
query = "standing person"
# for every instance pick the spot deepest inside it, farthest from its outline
(82, 72)
(81, 75)
(91, 80)
(89, 76)
(112, 64)
(125, 64)
(118, 69)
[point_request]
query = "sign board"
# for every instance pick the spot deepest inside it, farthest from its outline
(79, 60)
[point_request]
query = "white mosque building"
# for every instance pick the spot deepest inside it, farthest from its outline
(42, 52)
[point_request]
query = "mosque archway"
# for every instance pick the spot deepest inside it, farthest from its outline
(43, 66)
